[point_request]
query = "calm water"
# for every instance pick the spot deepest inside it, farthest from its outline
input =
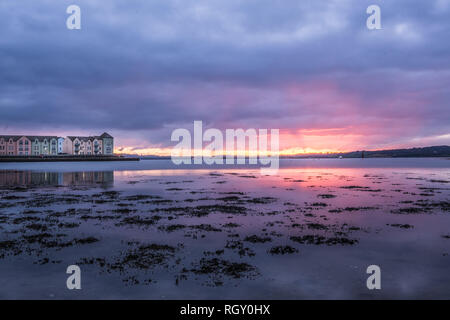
(152, 230)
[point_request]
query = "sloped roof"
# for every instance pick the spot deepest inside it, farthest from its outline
(92, 138)
(32, 138)
(41, 138)
(14, 138)
(106, 135)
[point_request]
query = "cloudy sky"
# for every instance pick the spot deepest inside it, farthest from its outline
(142, 68)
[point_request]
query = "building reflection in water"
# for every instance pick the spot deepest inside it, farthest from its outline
(31, 178)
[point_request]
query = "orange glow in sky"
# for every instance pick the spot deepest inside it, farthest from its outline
(301, 142)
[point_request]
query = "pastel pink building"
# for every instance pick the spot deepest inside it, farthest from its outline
(28, 145)
(23, 146)
(8, 145)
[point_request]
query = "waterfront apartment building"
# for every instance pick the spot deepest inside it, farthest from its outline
(60, 145)
(16, 145)
(28, 145)
(93, 145)
(42, 145)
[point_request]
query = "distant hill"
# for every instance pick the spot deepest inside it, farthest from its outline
(435, 151)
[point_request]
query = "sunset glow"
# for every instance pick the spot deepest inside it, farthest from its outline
(315, 72)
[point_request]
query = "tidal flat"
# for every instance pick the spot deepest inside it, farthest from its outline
(308, 232)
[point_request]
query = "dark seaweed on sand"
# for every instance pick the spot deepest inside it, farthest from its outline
(282, 250)
(319, 240)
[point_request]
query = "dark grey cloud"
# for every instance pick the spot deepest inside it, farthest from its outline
(141, 68)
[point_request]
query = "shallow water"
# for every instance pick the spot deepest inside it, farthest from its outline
(152, 230)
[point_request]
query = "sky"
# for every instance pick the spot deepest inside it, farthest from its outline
(139, 69)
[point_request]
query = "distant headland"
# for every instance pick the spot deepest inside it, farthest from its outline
(433, 151)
